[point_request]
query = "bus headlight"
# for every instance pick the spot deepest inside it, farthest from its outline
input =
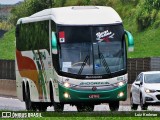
(119, 84)
(66, 84)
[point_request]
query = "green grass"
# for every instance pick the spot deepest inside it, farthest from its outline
(90, 118)
(96, 118)
(146, 44)
(7, 45)
(101, 115)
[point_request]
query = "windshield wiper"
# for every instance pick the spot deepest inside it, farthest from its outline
(83, 64)
(104, 62)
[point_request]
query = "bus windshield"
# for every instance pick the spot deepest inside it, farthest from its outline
(91, 50)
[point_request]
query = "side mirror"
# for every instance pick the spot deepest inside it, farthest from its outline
(54, 43)
(130, 41)
(137, 83)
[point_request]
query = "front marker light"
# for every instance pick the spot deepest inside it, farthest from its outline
(121, 94)
(66, 84)
(66, 95)
(120, 84)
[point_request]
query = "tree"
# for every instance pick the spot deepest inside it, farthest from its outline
(29, 7)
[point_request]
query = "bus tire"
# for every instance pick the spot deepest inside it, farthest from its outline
(42, 108)
(114, 106)
(28, 102)
(58, 107)
(85, 108)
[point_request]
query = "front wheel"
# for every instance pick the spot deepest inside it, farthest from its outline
(114, 106)
(42, 108)
(143, 105)
(85, 108)
(58, 107)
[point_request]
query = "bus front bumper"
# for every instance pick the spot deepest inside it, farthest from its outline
(68, 95)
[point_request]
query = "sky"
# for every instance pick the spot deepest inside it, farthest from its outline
(9, 1)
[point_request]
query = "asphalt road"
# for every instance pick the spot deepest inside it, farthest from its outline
(13, 104)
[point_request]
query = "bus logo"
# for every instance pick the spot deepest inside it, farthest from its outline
(94, 88)
(93, 83)
(104, 36)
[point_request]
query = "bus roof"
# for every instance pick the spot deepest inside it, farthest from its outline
(76, 15)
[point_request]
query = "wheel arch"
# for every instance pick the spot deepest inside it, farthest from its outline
(23, 90)
(132, 97)
(28, 89)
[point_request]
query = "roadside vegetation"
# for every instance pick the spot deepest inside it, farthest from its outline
(94, 118)
(140, 17)
(7, 45)
(4, 17)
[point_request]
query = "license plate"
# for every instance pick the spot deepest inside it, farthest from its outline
(94, 96)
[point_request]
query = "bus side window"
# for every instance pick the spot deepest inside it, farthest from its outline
(17, 31)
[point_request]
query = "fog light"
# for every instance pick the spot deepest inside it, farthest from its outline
(66, 95)
(121, 94)
(148, 99)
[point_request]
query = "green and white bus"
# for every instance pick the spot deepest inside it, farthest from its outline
(73, 55)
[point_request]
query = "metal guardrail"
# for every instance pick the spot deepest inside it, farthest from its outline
(134, 66)
(7, 69)
(137, 65)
